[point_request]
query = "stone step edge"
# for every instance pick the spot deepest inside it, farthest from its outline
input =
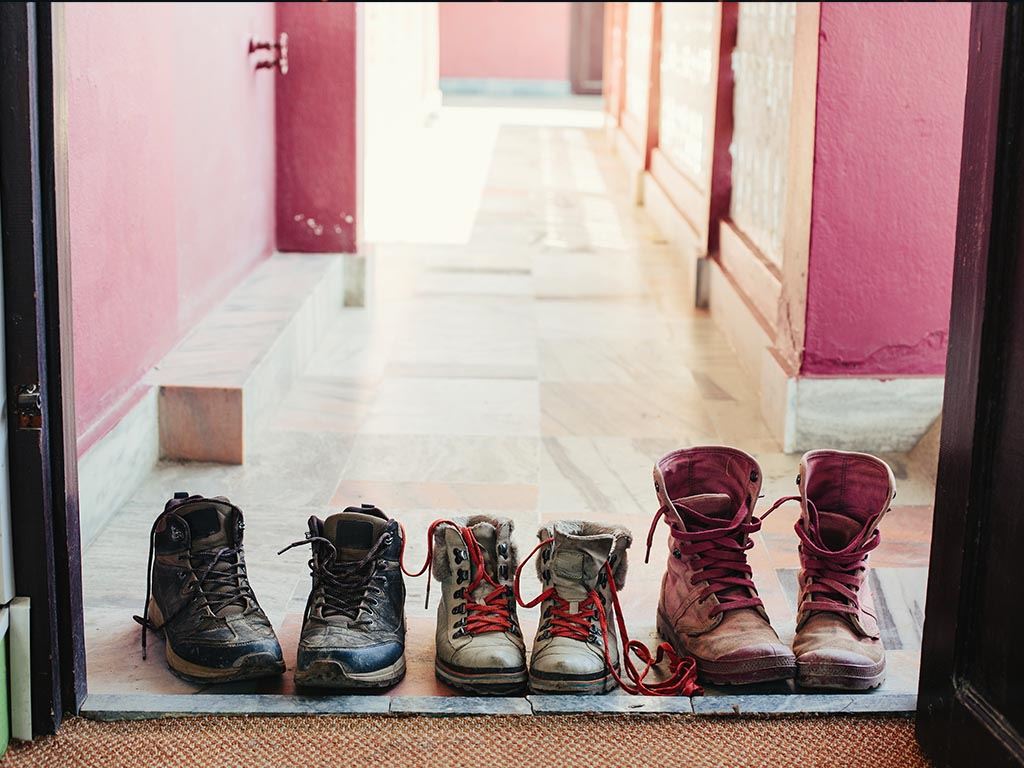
(139, 706)
(211, 424)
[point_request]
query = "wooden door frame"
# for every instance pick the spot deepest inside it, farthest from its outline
(38, 338)
(955, 724)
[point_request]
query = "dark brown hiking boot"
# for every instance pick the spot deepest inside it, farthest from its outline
(198, 595)
(353, 632)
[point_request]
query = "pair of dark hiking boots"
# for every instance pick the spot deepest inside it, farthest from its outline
(200, 599)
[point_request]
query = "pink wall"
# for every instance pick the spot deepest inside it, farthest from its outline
(891, 82)
(171, 176)
(505, 40)
(317, 153)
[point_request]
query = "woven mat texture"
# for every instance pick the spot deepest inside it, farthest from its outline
(510, 742)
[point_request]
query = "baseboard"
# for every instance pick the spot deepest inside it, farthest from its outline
(114, 466)
(863, 413)
(680, 234)
(856, 413)
(504, 86)
(738, 322)
(633, 160)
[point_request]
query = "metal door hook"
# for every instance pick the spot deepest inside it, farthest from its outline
(280, 49)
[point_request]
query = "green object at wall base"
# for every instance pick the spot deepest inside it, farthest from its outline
(5, 699)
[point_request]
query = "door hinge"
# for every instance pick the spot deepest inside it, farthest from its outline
(29, 406)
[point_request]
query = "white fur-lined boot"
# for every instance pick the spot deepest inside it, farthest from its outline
(571, 652)
(478, 645)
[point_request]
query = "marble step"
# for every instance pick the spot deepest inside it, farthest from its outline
(241, 359)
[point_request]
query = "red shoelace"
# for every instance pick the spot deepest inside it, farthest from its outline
(491, 615)
(682, 670)
(833, 577)
(720, 551)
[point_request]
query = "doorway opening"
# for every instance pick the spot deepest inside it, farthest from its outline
(480, 319)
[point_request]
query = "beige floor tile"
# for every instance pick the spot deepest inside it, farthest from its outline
(527, 350)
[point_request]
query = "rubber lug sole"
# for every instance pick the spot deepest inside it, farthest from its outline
(483, 683)
(840, 677)
(331, 674)
(249, 667)
(745, 672)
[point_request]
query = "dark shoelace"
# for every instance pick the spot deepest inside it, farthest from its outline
(682, 670)
(490, 615)
(216, 587)
(349, 588)
(719, 549)
(834, 577)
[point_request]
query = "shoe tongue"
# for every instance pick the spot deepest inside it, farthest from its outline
(835, 531)
(577, 562)
(718, 506)
(212, 523)
(355, 531)
(486, 536)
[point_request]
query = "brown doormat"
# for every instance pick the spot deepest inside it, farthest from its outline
(510, 742)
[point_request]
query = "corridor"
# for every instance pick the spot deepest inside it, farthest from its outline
(529, 349)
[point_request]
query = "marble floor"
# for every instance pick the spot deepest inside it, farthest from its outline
(531, 355)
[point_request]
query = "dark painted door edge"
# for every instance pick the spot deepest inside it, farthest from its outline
(43, 476)
(962, 720)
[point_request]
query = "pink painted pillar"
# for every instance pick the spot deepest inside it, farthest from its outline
(889, 125)
(317, 122)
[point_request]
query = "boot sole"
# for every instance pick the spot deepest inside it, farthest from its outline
(249, 667)
(560, 684)
(747, 672)
(483, 682)
(331, 674)
(840, 677)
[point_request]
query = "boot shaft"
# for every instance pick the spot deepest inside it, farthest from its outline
(575, 567)
(707, 495)
(198, 556)
(474, 559)
(843, 497)
(355, 569)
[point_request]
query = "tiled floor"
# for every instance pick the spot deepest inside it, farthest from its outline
(533, 363)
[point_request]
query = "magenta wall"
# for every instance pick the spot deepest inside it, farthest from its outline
(171, 182)
(505, 40)
(891, 82)
(317, 160)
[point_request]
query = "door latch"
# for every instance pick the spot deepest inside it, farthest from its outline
(29, 406)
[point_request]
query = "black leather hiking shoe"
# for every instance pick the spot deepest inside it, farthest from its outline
(198, 595)
(353, 631)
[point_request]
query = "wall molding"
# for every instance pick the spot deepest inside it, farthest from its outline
(504, 86)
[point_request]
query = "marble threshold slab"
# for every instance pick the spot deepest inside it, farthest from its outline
(113, 707)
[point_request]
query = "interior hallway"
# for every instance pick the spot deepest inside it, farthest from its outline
(529, 349)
